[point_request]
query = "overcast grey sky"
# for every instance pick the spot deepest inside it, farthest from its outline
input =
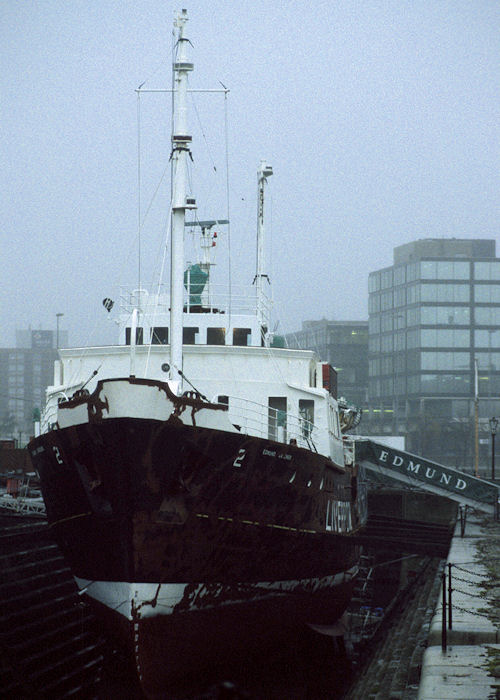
(380, 118)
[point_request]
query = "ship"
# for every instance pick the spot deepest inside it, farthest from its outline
(198, 476)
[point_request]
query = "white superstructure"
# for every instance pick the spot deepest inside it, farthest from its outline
(198, 339)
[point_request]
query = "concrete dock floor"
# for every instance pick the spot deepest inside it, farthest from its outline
(469, 669)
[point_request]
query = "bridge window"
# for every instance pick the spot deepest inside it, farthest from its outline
(306, 413)
(139, 336)
(277, 418)
(223, 399)
(159, 335)
(216, 336)
(189, 335)
(241, 336)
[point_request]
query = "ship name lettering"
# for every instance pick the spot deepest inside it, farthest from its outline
(269, 453)
(338, 516)
(287, 457)
(431, 473)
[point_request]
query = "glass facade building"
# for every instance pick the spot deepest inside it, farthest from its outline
(434, 336)
(25, 373)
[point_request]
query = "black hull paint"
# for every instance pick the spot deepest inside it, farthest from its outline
(171, 652)
(139, 500)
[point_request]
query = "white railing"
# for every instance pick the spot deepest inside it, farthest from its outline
(263, 421)
(243, 300)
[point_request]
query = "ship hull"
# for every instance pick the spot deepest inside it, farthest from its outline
(173, 652)
(192, 541)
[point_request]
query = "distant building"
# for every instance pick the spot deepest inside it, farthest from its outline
(344, 345)
(25, 373)
(432, 315)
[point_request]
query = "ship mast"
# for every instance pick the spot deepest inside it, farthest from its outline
(181, 142)
(264, 171)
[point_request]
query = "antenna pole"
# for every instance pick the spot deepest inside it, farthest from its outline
(181, 142)
(263, 173)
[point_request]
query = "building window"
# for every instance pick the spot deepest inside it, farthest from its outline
(487, 338)
(445, 292)
(444, 338)
(386, 343)
(487, 293)
(399, 274)
(413, 384)
(386, 322)
(487, 270)
(400, 340)
(444, 270)
(445, 384)
(487, 315)
(442, 315)
(445, 360)
(411, 272)
(386, 279)
(374, 325)
(386, 300)
(412, 294)
(386, 365)
(488, 360)
(374, 282)
(374, 303)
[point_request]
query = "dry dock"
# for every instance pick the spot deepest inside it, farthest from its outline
(466, 666)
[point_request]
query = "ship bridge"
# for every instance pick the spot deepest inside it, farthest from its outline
(386, 462)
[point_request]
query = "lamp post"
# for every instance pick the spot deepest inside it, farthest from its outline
(58, 317)
(493, 427)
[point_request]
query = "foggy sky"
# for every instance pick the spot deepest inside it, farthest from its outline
(380, 120)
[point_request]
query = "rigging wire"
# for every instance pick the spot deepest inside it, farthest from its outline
(139, 192)
(203, 133)
(226, 137)
(160, 277)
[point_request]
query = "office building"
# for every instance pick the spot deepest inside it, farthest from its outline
(434, 336)
(25, 373)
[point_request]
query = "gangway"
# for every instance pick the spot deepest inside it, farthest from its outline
(416, 471)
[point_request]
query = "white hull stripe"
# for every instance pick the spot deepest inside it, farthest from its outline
(152, 599)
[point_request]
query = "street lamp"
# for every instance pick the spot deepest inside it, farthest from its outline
(493, 427)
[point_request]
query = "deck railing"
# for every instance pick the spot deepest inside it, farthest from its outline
(242, 300)
(263, 421)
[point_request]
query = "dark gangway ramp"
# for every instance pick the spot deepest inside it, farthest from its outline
(388, 462)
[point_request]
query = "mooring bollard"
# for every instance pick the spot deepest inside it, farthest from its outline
(443, 626)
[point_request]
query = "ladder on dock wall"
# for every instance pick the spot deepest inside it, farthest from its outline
(386, 462)
(49, 646)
